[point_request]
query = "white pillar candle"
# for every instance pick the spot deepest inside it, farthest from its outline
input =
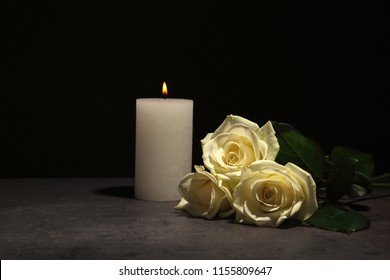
(163, 152)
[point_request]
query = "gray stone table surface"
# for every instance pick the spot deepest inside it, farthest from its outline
(99, 218)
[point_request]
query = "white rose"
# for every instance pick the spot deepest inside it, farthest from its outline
(269, 193)
(203, 195)
(236, 143)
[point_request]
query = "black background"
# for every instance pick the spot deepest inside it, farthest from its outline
(72, 73)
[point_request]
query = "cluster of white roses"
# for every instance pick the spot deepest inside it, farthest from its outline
(244, 179)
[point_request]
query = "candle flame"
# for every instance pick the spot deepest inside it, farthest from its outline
(164, 90)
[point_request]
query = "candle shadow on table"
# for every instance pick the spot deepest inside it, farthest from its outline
(116, 191)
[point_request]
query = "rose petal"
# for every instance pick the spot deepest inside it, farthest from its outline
(269, 193)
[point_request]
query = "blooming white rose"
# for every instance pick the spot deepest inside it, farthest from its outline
(203, 195)
(236, 143)
(269, 193)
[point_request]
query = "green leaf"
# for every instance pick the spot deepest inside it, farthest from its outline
(380, 185)
(361, 185)
(381, 181)
(357, 191)
(363, 162)
(338, 218)
(298, 149)
(384, 178)
(340, 179)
